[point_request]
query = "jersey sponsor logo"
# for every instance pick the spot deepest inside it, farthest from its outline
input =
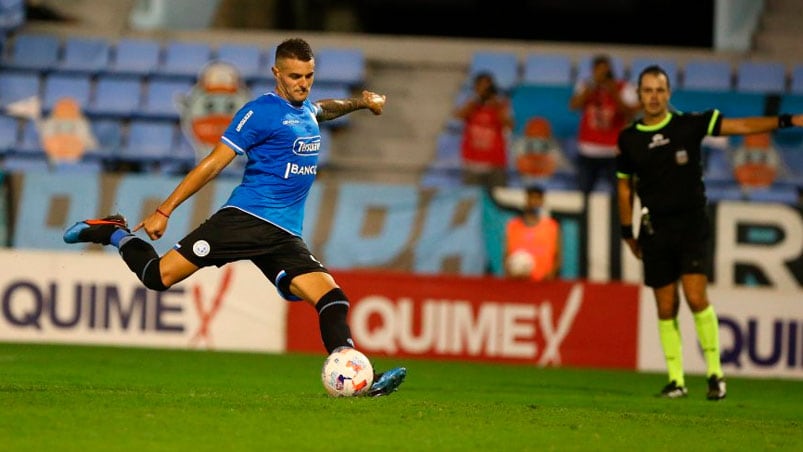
(244, 120)
(658, 140)
(681, 157)
(307, 146)
(289, 122)
(201, 248)
(294, 169)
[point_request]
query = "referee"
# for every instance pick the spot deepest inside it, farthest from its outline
(660, 159)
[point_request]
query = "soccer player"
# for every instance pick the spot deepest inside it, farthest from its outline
(661, 160)
(278, 133)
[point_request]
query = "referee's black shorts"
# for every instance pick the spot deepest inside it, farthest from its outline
(230, 235)
(680, 244)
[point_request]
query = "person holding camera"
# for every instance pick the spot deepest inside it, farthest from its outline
(606, 104)
(488, 121)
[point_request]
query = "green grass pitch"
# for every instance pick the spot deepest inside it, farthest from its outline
(81, 398)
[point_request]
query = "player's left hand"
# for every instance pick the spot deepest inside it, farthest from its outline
(374, 102)
(155, 225)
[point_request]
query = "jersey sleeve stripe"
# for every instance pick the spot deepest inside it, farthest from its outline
(232, 145)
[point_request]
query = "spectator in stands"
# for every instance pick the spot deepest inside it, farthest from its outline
(662, 152)
(278, 133)
(532, 240)
(488, 121)
(606, 104)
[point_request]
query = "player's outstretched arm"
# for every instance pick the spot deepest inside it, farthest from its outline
(334, 108)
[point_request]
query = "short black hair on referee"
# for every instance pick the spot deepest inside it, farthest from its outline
(654, 69)
(534, 188)
(294, 48)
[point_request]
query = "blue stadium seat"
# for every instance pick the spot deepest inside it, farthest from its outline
(761, 77)
(504, 66)
(707, 75)
(730, 103)
(796, 79)
(784, 194)
(543, 69)
(18, 85)
(90, 55)
(149, 141)
(12, 15)
(266, 86)
(78, 166)
(9, 134)
(160, 97)
(30, 143)
(57, 86)
(26, 164)
(340, 66)
(109, 136)
(34, 51)
(248, 59)
(116, 95)
(448, 147)
(637, 64)
(184, 59)
(584, 67)
(135, 56)
(725, 192)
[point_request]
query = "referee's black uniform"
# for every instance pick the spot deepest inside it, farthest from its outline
(665, 161)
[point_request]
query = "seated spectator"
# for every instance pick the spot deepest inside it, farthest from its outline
(488, 120)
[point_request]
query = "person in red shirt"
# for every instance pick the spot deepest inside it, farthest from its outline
(532, 241)
(606, 105)
(488, 120)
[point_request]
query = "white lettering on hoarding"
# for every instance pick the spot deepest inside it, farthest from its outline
(455, 327)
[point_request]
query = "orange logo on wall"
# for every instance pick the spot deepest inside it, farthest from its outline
(66, 134)
(536, 153)
(755, 163)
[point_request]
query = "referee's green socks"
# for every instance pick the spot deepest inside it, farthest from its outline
(673, 352)
(708, 333)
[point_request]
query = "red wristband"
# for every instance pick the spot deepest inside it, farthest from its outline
(162, 213)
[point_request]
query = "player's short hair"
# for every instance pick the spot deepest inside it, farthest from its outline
(294, 48)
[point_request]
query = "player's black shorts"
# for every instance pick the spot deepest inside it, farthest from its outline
(680, 244)
(231, 235)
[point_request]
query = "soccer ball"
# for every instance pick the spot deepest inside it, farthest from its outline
(520, 264)
(347, 372)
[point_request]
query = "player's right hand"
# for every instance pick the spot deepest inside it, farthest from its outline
(154, 225)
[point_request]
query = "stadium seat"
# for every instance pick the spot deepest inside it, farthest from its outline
(184, 59)
(18, 85)
(149, 141)
(584, 67)
(89, 55)
(57, 86)
(796, 79)
(637, 64)
(30, 143)
(707, 75)
(448, 146)
(504, 66)
(248, 59)
(116, 95)
(135, 56)
(161, 97)
(109, 136)
(784, 194)
(340, 66)
(266, 86)
(761, 77)
(34, 51)
(543, 69)
(9, 134)
(26, 164)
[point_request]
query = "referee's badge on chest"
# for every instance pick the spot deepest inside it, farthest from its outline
(681, 157)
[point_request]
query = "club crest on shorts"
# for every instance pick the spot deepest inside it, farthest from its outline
(681, 157)
(200, 248)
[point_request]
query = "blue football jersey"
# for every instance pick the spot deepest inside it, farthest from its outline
(281, 142)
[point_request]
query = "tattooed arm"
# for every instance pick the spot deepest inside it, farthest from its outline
(333, 108)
